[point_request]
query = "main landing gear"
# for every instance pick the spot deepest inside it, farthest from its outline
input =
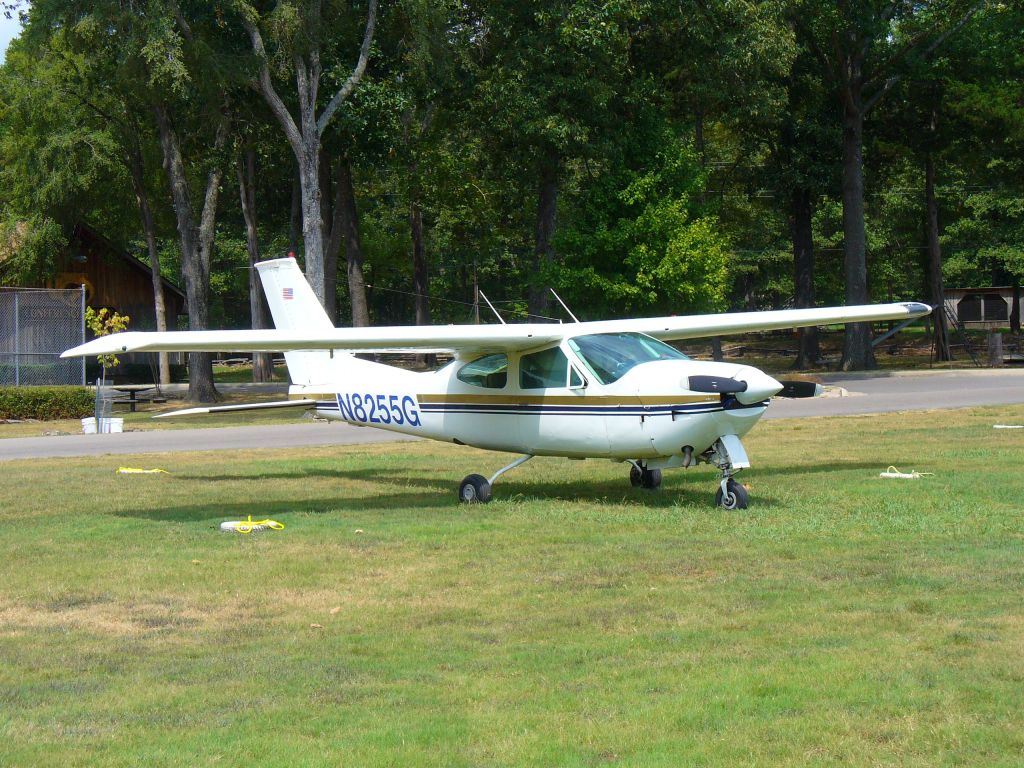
(642, 477)
(476, 489)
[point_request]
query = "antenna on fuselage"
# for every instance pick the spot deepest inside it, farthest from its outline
(566, 308)
(484, 296)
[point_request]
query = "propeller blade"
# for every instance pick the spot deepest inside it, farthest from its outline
(716, 385)
(794, 388)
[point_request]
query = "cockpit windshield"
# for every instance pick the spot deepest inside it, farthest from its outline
(609, 356)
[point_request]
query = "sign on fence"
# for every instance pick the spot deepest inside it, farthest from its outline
(36, 325)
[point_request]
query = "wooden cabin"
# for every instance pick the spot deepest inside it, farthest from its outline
(114, 278)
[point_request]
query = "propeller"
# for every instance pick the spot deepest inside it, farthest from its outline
(796, 388)
(718, 385)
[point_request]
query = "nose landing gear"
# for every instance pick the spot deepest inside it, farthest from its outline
(731, 495)
(728, 455)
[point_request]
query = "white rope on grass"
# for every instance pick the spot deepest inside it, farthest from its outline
(913, 474)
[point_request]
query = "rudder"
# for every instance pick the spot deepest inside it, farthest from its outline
(293, 305)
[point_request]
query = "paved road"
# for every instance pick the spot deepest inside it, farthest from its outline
(875, 393)
(880, 392)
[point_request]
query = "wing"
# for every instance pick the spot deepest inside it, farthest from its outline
(485, 338)
(433, 338)
(703, 326)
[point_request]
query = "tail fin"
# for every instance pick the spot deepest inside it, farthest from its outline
(294, 305)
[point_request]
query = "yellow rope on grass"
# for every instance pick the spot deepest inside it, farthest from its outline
(249, 525)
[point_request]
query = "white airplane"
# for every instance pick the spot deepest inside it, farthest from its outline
(608, 389)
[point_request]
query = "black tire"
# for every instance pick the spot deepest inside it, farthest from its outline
(737, 498)
(475, 490)
(636, 476)
(644, 478)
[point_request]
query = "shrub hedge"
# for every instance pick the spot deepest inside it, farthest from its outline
(46, 403)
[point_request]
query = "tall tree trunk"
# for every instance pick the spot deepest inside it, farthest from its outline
(801, 213)
(420, 277)
(295, 218)
(262, 363)
(327, 216)
(196, 244)
(312, 223)
(304, 135)
(1015, 307)
(353, 250)
(716, 349)
(544, 250)
(133, 157)
(935, 287)
(334, 242)
(858, 353)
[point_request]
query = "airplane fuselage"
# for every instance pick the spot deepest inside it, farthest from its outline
(647, 414)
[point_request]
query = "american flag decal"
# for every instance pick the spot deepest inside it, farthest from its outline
(287, 293)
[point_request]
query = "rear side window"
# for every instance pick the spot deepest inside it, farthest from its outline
(490, 372)
(548, 368)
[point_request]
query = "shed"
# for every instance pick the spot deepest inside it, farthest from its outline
(981, 307)
(114, 278)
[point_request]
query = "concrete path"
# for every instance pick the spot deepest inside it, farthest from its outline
(904, 391)
(869, 393)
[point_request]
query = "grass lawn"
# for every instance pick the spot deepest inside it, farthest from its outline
(842, 620)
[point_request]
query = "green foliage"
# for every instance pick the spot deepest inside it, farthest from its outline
(641, 244)
(103, 322)
(674, 133)
(46, 403)
(27, 248)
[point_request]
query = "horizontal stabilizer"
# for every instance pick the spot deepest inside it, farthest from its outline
(240, 407)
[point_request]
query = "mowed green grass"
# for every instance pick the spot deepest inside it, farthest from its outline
(842, 620)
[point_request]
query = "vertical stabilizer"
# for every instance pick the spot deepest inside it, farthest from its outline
(293, 305)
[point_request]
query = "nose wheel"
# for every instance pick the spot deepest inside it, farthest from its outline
(731, 495)
(728, 455)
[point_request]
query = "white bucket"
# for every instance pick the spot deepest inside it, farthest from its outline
(107, 426)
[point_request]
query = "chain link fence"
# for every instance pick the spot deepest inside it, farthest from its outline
(35, 327)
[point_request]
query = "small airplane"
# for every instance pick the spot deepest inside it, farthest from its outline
(609, 389)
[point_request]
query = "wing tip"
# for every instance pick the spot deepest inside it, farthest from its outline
(918, 308)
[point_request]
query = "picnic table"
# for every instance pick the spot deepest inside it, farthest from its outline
(133, 391)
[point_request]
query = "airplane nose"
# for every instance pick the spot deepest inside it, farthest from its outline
(760, 386)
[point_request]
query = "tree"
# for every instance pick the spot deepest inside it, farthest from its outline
(860, 50)
(300, 35)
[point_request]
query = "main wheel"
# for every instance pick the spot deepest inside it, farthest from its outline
(736, 497)
(475, 490)
(644, 478)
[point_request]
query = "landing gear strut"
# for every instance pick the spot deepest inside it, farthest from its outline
(476, 489)
(642, 477)
(728, 455)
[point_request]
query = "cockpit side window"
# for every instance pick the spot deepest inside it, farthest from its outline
(547, 368)
(490, 372)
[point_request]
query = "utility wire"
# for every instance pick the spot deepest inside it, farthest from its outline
(465, 303)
